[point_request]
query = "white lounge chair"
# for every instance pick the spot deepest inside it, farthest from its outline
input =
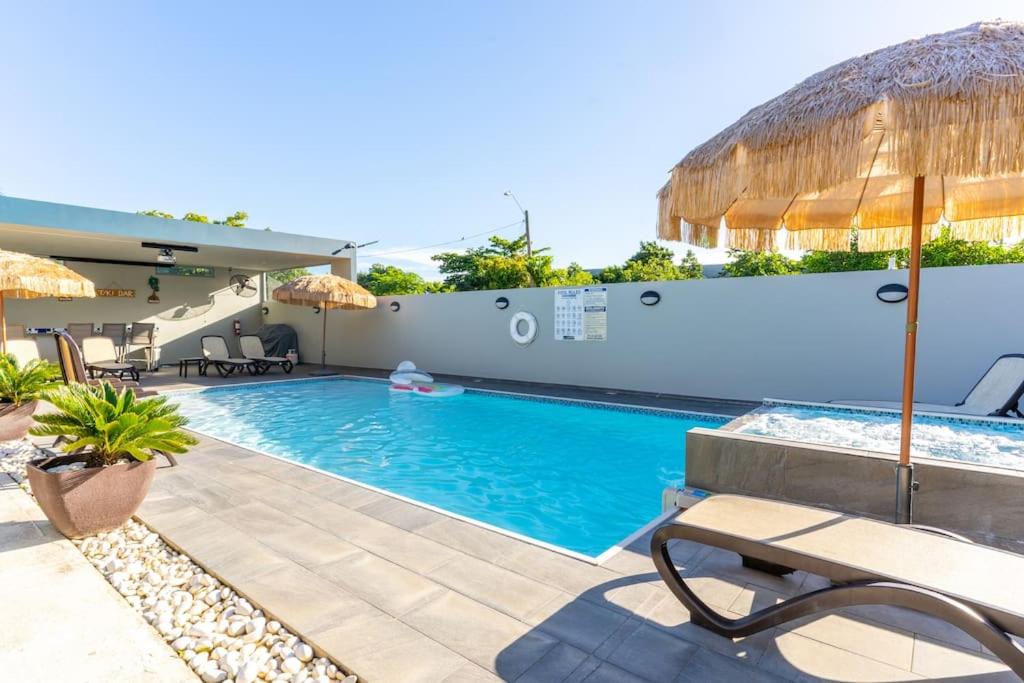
(252, 348)
(215, 350)
(101, 357)
(997, 393)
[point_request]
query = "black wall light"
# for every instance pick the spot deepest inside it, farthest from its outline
(650, 298)
(892, 293)
(266, 310)
(501, 303)
(316, 310)
(395, 306)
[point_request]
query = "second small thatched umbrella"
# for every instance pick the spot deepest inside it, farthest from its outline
(325, 292)
(30, 277)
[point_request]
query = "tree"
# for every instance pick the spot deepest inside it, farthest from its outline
(747, 263)
(195, 217)
(384, 280)
(504, 264)
(235, 220)
(156, 213)
(288, 274)
(652, 263)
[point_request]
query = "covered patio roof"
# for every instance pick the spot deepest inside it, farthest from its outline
(98, 235)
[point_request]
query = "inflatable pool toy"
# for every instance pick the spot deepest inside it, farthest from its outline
(407, 379)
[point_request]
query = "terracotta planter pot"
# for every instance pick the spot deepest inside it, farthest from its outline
(89, 501)
(16, 420)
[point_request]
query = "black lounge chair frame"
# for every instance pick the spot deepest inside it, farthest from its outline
(119, 372)
(228, 366)
(839, 595)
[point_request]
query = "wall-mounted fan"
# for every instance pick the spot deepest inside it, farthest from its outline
(242, 285)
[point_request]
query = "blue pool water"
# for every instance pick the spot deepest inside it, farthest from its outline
(576, 476)
(984, 442)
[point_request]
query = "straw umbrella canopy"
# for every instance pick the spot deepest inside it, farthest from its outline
(894, 143)
(325, 292)
(30, 277)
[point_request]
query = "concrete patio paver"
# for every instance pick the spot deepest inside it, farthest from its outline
(60, 620)
(399, 592)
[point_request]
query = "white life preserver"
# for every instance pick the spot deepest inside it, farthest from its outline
(523, 338)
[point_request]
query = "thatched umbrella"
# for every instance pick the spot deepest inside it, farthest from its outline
(887, 143)
(29, 277)
(325, 292)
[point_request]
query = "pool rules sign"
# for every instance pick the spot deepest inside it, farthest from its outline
(581, 314)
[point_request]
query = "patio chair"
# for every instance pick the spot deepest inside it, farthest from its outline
(24, 350)
(215, 350)
(252, 348)
(80, 331)
(117, 333)
(996, 394)
(972, 587)
(72, 367)
(143, 335)
(100, 356)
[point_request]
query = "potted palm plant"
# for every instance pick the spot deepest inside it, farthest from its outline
(111, 438)
(21, 387)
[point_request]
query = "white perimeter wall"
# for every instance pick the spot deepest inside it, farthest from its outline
(189, 307)
(805, 337)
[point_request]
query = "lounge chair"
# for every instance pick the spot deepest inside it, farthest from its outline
(252, 348)
(80, 331)
(143, 335)
(72, 367)
(118, 333)
(996, 394)
(973, 587)
(101, 357)
(215, 350)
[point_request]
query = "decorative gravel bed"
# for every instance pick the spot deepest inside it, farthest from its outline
(222, 636)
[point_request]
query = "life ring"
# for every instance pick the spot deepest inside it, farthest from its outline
(523, 338)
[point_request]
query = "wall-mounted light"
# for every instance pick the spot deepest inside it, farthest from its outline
(650, 298)
(316, 310)
(892, 293)
(266, 310)
(501, 303)
(395, 306)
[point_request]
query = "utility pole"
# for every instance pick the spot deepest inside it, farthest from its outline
(526, 220)
(529, 243)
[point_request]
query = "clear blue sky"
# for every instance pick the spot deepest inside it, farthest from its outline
(404, 123)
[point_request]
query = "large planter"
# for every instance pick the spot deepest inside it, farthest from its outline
(89, 501)
(16, 420)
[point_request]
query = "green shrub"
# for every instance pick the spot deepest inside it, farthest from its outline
(112, 425)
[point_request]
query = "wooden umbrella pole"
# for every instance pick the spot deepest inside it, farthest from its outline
(323, 343)
(905, 470)
(3, 325)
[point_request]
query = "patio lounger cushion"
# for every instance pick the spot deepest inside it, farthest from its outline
(72, 367)
(252, 348)
(215, 350)
(997, 393)
(101, 356)
(973, 587)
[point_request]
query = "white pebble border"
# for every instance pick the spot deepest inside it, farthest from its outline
(223, 637)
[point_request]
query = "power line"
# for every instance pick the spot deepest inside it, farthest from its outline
(444, 244)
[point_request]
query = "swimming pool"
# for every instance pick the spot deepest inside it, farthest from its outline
(579, 476)
(999, 443)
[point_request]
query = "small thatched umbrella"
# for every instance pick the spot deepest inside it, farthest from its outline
(325, 292)
(29, 277)
(887, 143)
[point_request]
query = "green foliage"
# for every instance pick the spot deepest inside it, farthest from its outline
(113, 425)
(195, 217)
(435, 287)
(288, 274)
(384, 280)
(20, 384)
(944, 250)
(653, 263)
(235, 220)
(747, 263)
(156, 213)
(573, 276)
(503, 264)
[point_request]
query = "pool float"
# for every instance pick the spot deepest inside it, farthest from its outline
(407, 379)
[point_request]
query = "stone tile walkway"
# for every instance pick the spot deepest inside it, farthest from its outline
(397, 592)
(59, 619)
